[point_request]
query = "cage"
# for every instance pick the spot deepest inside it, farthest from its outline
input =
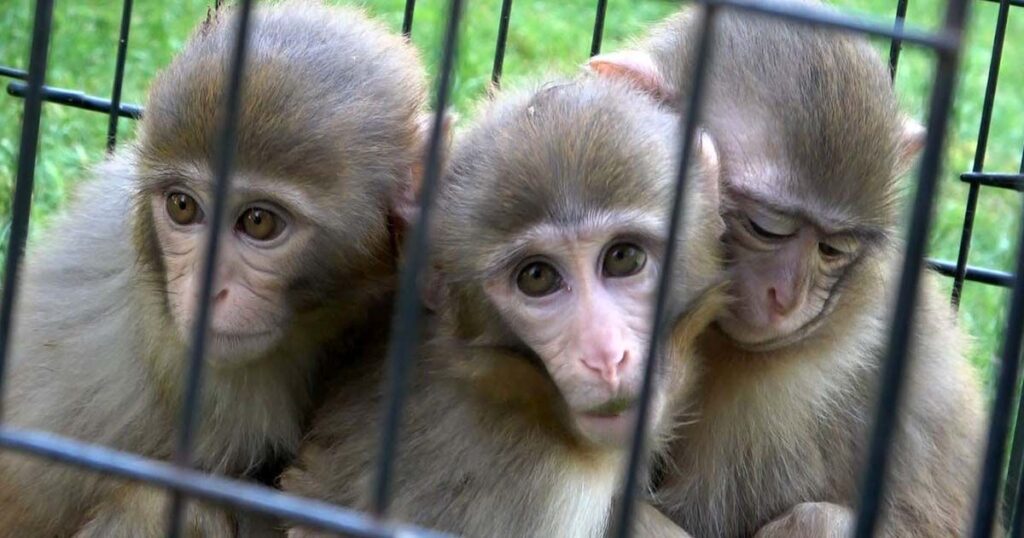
(1001, 477)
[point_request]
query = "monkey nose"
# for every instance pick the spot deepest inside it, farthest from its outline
(221, 296)
(608, 366)
(781, 303)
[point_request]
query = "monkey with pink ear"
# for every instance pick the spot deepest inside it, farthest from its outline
(812, 145)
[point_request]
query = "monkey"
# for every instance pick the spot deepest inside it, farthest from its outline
(549, 239)
(812, 146)
(329, 141)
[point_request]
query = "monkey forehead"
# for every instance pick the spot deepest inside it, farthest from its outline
(559, 155)
(327, 95)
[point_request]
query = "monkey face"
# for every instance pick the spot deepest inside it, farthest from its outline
(259, 250)
(785, 271)
(581, 299)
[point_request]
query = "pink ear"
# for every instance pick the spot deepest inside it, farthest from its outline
(406, 202)
(636, 66)
(708, 166)
(911, 142)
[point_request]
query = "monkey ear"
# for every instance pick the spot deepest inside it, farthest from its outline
(911, 142)
(635, 66)
(707, 165)
(406, 202)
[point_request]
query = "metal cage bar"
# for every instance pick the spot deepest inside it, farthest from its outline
(499, 49)
(668, 273)
(410, 9)
(897, 44)
(22, 204)
(405, 330)
(115, 94)
(894, 368)
(77, 99)
(979, 153)
(223, 164)
(595, 42)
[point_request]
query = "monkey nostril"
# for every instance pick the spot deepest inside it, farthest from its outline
(221, 295)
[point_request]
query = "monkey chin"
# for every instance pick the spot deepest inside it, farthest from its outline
(759, 339)
(606, 430)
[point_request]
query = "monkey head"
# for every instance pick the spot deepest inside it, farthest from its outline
(328, 142)
(811, 143)
(551, 240)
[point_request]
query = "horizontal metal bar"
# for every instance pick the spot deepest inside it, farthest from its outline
(942, 41)
(13, 73)
(974, 274)
(992, 179)
(77, 99)
(1018, 3)
(247, 496)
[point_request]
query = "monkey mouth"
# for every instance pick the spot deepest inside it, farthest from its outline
(612, 408)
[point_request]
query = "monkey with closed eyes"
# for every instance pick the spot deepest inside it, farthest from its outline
(812, 143)
(329, 141)
(549, 240)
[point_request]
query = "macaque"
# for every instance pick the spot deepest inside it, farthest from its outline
(329, 140)
(553, 218)
(812, 144)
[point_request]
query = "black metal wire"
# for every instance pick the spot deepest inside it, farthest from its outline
(499, 49)
(77, 99)
(13, 73)
(225, 155)
(943, 41)
(244, 495)
(410, 8)
(904, 313)
(115, 96)
(995, 179)
(22, 204)
(669, 274)
(405, 330)
(974, 274)
(897, 43)
(595, 42)
(979, 153)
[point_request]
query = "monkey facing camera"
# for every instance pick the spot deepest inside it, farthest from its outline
(812, 145)
(329, 139)
(548, 247)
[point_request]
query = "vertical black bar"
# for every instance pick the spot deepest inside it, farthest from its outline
(897, 43)
(410, 8)
(406, 327)
(979, 152)
(22, 203)
(228, 137)
(115, 97)
(892, 374)
(637, 449)
(499, 50)
(119, 76)
(595, 43)
(1006, 386)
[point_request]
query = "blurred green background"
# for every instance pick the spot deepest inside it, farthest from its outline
(545, 36)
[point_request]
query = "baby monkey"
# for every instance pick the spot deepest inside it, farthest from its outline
(812, 144)
(329, 140)
(552, 224)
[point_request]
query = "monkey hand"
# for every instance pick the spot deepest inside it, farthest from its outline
(650, 522)
(811, 520)
(141, 511)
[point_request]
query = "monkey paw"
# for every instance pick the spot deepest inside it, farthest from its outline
(810, 520)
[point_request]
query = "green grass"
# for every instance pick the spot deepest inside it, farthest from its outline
(545, 36)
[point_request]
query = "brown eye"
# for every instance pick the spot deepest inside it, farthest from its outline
(829, 251)
(624, 259)
(182, 208)
(538, 279)
(260, 224)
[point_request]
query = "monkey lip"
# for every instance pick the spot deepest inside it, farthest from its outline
(609, 423)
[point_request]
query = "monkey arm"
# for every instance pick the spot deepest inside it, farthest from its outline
(811, 520)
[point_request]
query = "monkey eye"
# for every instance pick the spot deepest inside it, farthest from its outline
(260, 224)
(829, 251)
(624, 259)
(766, 234)
(183, 209)
(538, 279)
